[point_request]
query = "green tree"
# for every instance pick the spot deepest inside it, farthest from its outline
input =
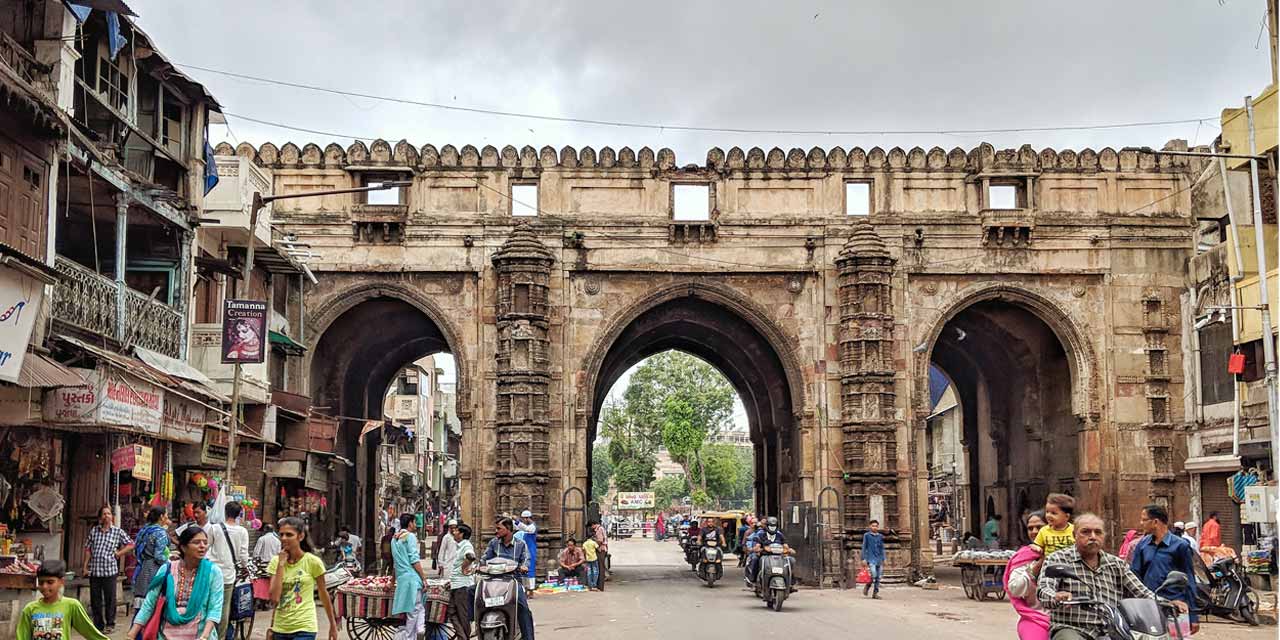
(601, 473)
(667, 491)
(729, 472)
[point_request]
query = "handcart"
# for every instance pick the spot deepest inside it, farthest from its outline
(982, 578)
(367, 612)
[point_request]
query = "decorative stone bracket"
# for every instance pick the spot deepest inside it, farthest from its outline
(1006, 228)
(691, 232)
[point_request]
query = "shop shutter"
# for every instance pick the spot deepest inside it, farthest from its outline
(1214, 497)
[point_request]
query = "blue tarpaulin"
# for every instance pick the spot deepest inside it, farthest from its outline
(115, 38)
(210, 168)
(80, 11)
(938, 384)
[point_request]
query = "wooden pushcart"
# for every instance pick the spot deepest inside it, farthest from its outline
(368, 615)
(982, 578)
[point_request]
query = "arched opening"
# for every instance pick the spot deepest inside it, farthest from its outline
(1011, 379)
(359, 360)
(716, 334)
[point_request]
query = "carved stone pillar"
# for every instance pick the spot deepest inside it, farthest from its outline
(868, 398)
(523, 268)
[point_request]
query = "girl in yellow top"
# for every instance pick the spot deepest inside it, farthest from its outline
(296, 575)
(1059, 534)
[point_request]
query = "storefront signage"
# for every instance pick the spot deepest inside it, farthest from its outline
(20, 299)
(317, 473)
(113, 398)
(635, 500)
(244, 331)
(184, 419)
(134, 458)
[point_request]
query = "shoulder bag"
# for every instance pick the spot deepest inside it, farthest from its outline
(242, 593)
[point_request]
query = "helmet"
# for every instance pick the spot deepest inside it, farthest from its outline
(771, 524)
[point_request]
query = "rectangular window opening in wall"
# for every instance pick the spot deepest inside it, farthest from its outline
(393, 196)
(691, 202)
(857, 198)
(1002, 196)
(1215, 349)
(524, 199)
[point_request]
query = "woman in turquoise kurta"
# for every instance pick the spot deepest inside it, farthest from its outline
(410, 578)
(192, 589)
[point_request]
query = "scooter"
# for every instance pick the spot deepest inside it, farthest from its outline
(496, 602)
(710, 565)
(1227, 594)
(335, 576)
(692, 552)
(773, 585)
(1133, 618)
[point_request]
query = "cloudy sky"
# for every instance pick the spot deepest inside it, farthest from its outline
(848, 66)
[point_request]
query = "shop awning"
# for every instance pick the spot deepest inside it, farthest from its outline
(135, 366)
(39, 371)
(286, 344)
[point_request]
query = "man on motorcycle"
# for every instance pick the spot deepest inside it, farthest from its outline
(769, 535)
(1107, 578)
(505, 545)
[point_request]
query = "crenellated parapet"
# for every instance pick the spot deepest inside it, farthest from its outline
(982, 158)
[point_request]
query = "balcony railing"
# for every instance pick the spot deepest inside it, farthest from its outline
(93, 303)
(14, 56)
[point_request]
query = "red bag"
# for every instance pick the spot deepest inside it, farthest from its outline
(864, 576)
(151, 631)
(1235, 363)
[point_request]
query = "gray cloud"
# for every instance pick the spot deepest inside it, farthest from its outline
(866, 66)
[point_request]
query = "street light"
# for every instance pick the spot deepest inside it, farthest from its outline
(260, 201)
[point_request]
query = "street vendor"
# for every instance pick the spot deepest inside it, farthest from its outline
(410, 578)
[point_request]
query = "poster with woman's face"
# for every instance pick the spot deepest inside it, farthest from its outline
(244, 331)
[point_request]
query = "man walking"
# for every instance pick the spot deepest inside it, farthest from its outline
(103, 549)
(1160, 552)
(229, 549)
(447, 549)
(1104, 577)
(1212, 534)
(462, 581)
(873, 558)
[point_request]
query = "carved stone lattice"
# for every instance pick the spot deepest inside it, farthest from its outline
(522, 416)
(867, 395)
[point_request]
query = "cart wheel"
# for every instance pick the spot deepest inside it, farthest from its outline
(1000, 595)
(373, 628)
(982, 593)
(968, 592)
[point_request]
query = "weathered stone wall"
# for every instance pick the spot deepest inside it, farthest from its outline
(1095, 250)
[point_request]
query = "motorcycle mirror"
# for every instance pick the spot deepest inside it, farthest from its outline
(1060, 571)
(1175, 579)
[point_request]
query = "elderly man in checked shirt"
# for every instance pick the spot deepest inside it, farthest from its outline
(1109, 579)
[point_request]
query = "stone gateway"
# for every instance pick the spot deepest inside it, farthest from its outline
(824, 284)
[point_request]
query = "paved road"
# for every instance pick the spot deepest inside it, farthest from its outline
(653, 595)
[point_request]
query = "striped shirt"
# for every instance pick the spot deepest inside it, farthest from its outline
(1109, 583)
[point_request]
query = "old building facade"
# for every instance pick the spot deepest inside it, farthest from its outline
(822, 284)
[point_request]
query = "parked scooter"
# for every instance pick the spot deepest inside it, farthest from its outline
(773, 584)
(1227, 593)
(335, 576)
(496, 602)
(710, 561)
(1133, 618)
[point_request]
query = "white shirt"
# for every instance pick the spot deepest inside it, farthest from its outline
(220, 553)
(267, 548)
(1195, 544)
(356, 543)
(527, 527)
(448, 553)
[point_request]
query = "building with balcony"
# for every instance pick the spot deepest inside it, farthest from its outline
(102, 180)
(1228, 431)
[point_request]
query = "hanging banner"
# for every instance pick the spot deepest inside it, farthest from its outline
(244, 329)
(20, 298)
(134, 458)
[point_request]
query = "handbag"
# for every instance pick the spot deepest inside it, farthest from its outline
(864, 576)
(242, 593)
(151, 630)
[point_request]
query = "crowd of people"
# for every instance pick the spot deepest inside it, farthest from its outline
(1062, 538)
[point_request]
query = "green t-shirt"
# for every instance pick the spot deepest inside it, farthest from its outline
(296, 610)
(40, 621)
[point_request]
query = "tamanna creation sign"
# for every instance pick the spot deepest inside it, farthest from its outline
(635, 500)
(244, 331)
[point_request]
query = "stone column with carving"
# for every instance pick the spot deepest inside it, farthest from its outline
(868, 397)
(522, 419)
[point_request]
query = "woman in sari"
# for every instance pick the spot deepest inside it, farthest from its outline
(1020, 582)
(152, 549)
(192, 591)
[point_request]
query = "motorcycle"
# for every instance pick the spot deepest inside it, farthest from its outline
(496, 601)
(1227, 593)
(773, 585)
(1132, 618)
(710, 565)
(336, 575)
(692, 552)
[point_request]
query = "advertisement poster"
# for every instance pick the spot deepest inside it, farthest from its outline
(134, 458)
(244, 331)
(635, 500)
(20, 299)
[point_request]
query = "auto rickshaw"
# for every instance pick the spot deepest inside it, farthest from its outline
(729, 522)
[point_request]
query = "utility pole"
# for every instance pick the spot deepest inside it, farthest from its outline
(246, 271)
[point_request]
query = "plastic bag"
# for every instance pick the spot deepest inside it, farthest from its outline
(1180, 627)
(864, 576)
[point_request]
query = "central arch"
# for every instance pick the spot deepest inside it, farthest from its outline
(727, 331)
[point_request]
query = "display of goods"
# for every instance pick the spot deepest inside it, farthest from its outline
(436, 612)
(970, 556)
(21, 568)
